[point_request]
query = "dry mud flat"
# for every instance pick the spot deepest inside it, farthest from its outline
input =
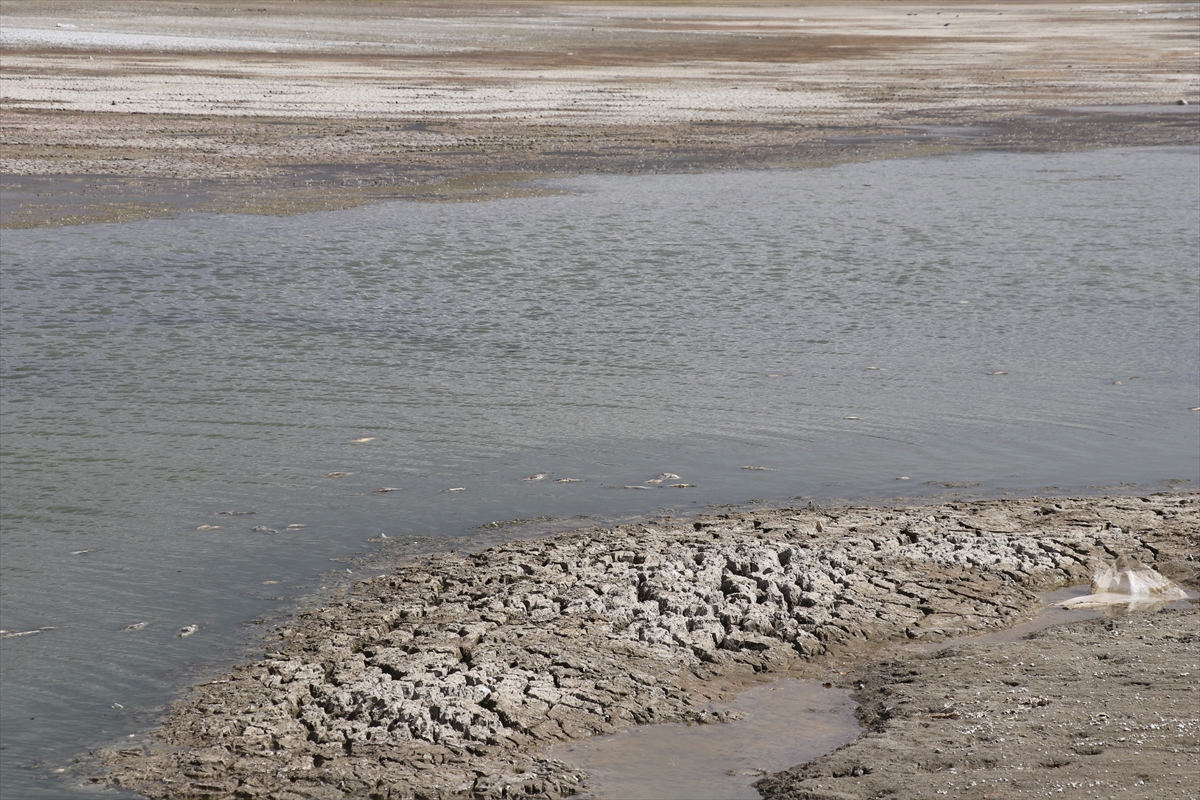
(447, 677)
(120, 111)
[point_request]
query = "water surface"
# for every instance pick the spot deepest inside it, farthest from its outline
(976, 324)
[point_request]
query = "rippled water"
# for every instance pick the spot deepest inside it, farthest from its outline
(158, 373)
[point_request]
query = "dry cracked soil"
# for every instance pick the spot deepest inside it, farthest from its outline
(448, 675)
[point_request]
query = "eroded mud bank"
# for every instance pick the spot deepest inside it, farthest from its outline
(446, 677)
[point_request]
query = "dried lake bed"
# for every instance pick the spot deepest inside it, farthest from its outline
(447, 676)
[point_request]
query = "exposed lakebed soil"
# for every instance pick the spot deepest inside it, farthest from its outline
(447, 676)
(116, 111)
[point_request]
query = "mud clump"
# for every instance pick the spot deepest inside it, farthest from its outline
(445, 678)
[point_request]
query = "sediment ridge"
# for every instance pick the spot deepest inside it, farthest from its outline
(446, 677)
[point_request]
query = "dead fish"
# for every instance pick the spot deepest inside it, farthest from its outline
(234, 513)
(186, 631)
(137, 626)
(116, 706)
(336, 474)
(875, 369)
(269, 583)
(666, 476)
(81, 552)
(363, 440)
(1118, 383)
(902, 478)
(569, 480)
(456, 489)
(14, 634)
(683, 486)
(209, 528)
(633, 487)
(263, 529)
(997, 373)
(295, 526)
(1130, 583)
(541, 476)
(386, 489)
(1194, 408)
(849, 417)
(759, 469)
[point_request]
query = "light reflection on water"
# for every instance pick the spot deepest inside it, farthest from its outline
(157, 373)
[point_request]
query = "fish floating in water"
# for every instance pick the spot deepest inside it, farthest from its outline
(186, 631)
(456, 489)
(336, 474)
(541, 476)
(81, 552)
(295, 526)
(386, 489)
(1128, 582)
(683, 486)
(363, 440)
(137, 626)
(759, 469)
(632, 487)
(234, 513)
(666, 476)
(209, 528)
(13, 634)
(569, 480)
(263, 529)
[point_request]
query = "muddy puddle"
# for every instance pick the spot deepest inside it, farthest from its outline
(776, 726)
(782, 723)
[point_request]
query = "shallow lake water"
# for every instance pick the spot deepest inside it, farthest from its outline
(983, 324)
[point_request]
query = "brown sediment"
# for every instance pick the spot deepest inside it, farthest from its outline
(370, 101)
(445, 677)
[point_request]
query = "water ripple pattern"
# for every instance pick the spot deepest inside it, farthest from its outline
(992, 322)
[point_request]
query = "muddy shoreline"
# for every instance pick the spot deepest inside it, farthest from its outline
(116, 114)
(447, 676)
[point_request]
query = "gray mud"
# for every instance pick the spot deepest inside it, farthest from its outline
(447, 677)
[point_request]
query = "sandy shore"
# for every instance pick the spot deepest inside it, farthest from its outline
(117, 111)
(446, 677)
